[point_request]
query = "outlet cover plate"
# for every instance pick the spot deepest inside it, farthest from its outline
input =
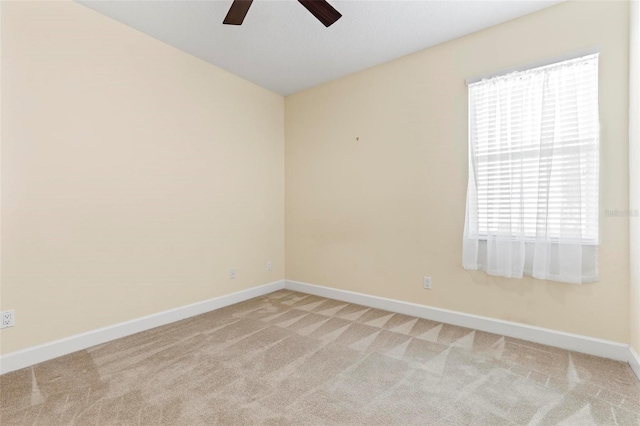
(8, 318)
(427, 283)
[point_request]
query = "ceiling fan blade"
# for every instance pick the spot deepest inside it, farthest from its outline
(322, 10)
(237, 12)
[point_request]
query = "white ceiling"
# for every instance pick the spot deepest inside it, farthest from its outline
(282, 47)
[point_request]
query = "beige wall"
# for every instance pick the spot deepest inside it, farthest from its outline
(134, 176)
(634, 169)
(377, 214)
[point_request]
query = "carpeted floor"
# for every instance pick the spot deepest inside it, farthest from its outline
(291, 358)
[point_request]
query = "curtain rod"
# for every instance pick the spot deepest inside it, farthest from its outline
(544, 62)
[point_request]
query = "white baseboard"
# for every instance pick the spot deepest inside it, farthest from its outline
(634, 362)
(589, 345)
(36, 354)
(573, 342)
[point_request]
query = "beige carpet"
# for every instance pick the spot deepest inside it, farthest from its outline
(291, 358)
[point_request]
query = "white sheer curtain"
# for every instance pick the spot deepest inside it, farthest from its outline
(532, 197)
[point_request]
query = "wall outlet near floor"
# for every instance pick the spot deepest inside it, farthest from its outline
(232, 274)
(8, 318)
(426, 281)
(268, 265)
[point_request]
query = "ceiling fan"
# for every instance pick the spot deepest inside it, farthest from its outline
(322, 10)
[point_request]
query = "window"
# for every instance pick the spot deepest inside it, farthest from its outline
(532, 198)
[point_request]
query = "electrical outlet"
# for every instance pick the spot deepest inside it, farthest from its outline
(232, 274)
(8, 319)
(427, 283)
(268, 265)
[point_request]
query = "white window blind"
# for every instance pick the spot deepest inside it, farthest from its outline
(533, 172)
